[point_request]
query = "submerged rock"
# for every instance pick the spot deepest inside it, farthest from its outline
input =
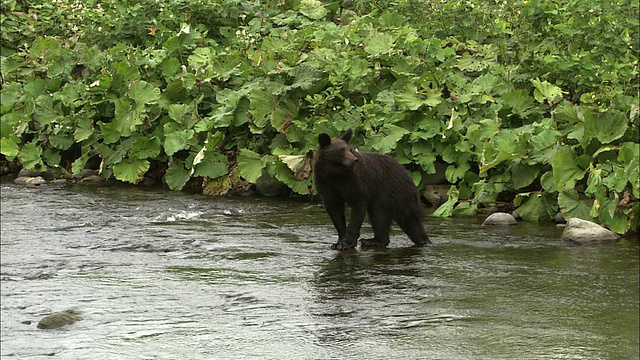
(500, 218)
(581, 231)
(59, 319)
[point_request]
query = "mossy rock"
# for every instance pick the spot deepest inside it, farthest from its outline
(59, 319)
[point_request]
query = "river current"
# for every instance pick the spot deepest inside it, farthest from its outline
(169, 275)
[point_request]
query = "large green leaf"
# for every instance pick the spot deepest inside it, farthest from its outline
(212, 165)
(536, 206)
(606, 127)
(313, 9)
(379, 43)
(503, 146)
(31, 155)
(572, 206)
(177, 176)
(250, 165)
(143, 93)
(146, 147)
(446, 209)
(523, 174)
(9, 146)
(453, 173)
(566, 171)
(83, 129)
(287, 177)
(131, 170)
(546, 91)
(35, 88)
(177, 140)
(61, 141)
(387, 138)
(520, 103)
(544, 146)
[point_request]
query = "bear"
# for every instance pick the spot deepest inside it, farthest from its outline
(369, 183)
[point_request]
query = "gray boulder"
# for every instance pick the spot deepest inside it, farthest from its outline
(500, 218)
(59, 319)
(581, 231)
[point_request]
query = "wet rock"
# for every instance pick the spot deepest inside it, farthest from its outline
(59, 319)
(500, 218)
(46, 174)
(92, 178)
(22, 180)
(516, 215)
(436, 195)
(267, 185)
(36, 181)
(83, 174)
(581, 231)
(29, 181)
(559, 219)
(26, 322)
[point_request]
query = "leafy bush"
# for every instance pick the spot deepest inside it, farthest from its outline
(520, 99)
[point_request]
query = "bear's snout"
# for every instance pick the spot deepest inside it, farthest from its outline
(349, 159)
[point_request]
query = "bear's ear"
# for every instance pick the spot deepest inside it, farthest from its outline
(324, 140)
(347, 135)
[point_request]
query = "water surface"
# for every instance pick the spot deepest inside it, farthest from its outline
(166, 275)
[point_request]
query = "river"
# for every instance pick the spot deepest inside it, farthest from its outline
(169, 275)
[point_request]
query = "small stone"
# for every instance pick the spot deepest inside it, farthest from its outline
(21, 180)
(559, 219)
(28, 173)
(581, 231)
(26, 322)
(36, 181)
(500, 218)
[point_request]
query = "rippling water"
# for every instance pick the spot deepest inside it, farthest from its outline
(166, 275)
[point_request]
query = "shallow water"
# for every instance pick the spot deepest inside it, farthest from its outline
(166, 275)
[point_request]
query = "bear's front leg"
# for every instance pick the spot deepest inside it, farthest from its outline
(358, 212)
(335, 208)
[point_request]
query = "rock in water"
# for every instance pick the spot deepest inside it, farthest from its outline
(581, 231)
(59, 319)
(500, 218)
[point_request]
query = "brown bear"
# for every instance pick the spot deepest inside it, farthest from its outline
(370, 183)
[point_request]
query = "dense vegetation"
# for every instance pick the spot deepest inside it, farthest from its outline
(534, 102)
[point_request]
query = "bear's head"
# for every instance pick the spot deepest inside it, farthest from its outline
(338, 150)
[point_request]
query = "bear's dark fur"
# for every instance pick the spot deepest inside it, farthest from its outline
(370, 183)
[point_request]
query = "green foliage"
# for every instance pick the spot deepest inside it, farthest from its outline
(517, 98)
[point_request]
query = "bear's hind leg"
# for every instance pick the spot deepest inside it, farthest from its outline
(380, 223)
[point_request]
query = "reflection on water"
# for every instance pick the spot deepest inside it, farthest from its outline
(164, 275)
